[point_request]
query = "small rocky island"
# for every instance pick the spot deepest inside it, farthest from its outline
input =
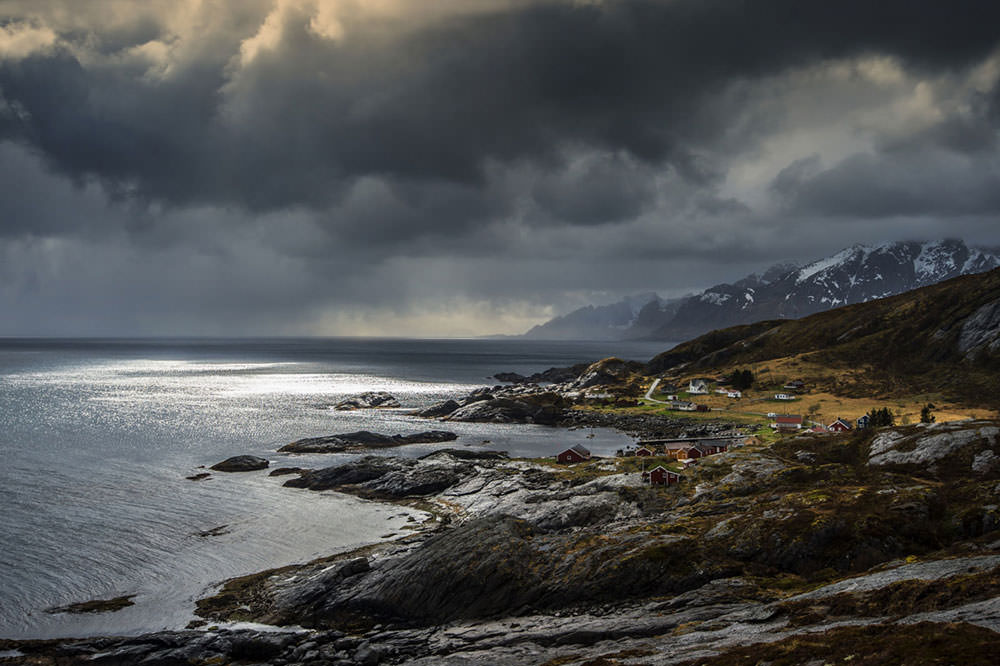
(363, 440)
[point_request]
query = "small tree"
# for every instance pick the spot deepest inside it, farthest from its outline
(741, 380)
(925, 414)
(879, 418)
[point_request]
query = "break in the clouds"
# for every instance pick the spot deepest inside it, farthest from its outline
(454, 168)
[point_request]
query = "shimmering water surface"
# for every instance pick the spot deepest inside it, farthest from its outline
(97, 437)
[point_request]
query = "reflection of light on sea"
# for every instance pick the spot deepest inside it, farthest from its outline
(332, 384)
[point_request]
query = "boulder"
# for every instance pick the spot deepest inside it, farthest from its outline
(241, 464)
(369, 400)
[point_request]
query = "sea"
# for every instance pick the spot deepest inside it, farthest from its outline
(98, 438)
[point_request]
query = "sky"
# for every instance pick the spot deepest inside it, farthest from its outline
(441, 168)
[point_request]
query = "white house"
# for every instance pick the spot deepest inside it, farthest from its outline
(697, 387)
(783, 396)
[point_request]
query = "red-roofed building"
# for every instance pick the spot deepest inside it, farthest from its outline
(788, 422)
(661, 476)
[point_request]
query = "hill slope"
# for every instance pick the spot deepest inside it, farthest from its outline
(944, 338)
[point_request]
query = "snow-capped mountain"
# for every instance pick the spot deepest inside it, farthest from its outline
(786, 291)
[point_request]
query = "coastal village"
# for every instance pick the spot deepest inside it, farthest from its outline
(665, 460)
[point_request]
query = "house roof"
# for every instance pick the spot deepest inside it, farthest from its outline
(840, 420)
(579, 448)
(788, 418)
(670, 471)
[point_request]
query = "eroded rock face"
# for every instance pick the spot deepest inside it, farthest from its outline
(981, 331)
(241, 464)
(941, 446)
(610, 371)
(494, 566)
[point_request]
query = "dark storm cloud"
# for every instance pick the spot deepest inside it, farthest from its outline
(239, 169)
(442, 100)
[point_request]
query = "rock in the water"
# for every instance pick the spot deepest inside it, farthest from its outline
(542, 408)
(363, 439)
(466, 454)
(285, 471)
(439, 409)
(358, 471)
(368, 400)
(510, 377)
(241, 464)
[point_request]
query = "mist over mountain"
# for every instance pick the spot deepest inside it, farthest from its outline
(857, 274)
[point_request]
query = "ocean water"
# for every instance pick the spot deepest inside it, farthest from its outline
(97, 437)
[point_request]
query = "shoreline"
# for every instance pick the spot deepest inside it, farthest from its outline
(528, 561)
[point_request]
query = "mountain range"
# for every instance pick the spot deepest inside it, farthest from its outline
(856, 274)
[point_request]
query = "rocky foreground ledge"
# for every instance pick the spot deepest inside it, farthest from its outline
(861, 548)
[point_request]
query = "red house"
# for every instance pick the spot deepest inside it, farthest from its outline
(644, 451)
(693, 452)
(661, 476)
(840, 425)
(574, 454)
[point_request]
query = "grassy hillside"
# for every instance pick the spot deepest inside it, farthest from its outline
(902, 345)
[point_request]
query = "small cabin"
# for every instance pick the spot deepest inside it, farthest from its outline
(574, 454)
(795, 385)
(840, 425)
(713, 446)
(661, 476)
(863, 422)
(734, 394)
(683, 405)
(784, 396)
(818, 428)
(692, 452)
(644, 451)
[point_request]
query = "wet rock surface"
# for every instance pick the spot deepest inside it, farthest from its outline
(241, 464)
(368, 400)
(363, 439)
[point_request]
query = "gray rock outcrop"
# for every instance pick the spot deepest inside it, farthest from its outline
(241, 464)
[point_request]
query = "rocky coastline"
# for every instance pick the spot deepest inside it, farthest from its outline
(848, 542)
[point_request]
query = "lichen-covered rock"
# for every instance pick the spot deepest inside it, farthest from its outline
(934, 444)
(610, 371)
